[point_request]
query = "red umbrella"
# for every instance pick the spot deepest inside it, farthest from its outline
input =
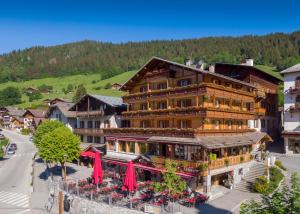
(130, 179)
(97, 174)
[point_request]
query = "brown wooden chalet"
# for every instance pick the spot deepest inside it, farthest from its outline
(198, 118)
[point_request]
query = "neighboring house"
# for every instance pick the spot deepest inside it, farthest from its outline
(267, 87)
(31, 90)
(60, 111)
(17, 122)
(8, 113)
(95, 112)
(116, 86)
(58, 100)
(197, 118)
(291, 111)
(33, 117)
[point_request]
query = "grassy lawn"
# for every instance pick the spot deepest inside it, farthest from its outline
(90, 82)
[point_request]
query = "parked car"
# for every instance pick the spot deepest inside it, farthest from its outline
(30, 138)
(10, 151)
(1, 136)
(13, 146)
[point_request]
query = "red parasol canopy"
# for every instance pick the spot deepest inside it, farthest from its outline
(130, 179)
(97, 173)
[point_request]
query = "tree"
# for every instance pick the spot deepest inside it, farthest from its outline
(108, 85)
(282, 201)
(34, 96)
(80, 92)
(10, 96)
(171, 181)
(43, 129)
(60, 146)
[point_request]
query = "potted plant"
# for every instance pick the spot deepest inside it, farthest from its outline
(227, 162)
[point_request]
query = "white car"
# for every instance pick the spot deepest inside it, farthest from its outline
(10, 151)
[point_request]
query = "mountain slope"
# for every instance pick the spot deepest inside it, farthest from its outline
(277, 50)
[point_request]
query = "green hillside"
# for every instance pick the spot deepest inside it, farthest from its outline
(91, 82)
(278, 50)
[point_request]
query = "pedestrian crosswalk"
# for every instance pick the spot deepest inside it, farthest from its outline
(14, 199)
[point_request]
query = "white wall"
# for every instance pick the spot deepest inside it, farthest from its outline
(291, 121)
(69, 122)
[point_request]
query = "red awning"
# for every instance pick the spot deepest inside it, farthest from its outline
(88, 154)
(149, 168)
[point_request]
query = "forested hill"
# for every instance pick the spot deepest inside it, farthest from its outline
(279, 50)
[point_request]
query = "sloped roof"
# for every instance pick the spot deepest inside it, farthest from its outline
(64, 108)
(295, 68)
(36, 113)
(112, 101)
(217, 141)
(155, 60)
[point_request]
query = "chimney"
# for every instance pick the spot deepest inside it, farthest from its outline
(248, 61)
(211, 68)
(189, 62)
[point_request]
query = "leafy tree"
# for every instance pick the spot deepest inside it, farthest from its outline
(10, 96)
(80, 92)
(282, 201)
(34, 96)
(43, 129)
(45, 88)
(171, 181)
(70, 88)
(59, 146)
(108, 85)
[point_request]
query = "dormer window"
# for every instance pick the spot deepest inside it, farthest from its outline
(184, 82)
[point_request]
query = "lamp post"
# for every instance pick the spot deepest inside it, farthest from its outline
(65, 166)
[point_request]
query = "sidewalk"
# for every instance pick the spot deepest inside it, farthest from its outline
(40, 192)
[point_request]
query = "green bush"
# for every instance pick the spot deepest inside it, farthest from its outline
(275, 177)
(25, 131)
(279, 164)
(261, 185)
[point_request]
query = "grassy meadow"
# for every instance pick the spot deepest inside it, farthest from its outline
(91, 82)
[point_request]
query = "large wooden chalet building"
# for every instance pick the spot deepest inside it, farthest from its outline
(195, 117)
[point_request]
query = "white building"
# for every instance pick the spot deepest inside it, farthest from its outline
(291, 111)
(95, 112)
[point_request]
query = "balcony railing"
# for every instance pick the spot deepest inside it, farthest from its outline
(90, 113)
(89, 131)
(260, 94)
(203, 166)
(260, 111)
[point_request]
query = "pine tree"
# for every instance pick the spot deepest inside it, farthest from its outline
(80, 92)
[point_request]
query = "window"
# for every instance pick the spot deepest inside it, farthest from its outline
(131, 147)
(90, 139)
(244, 149)
(111, 146)
(162, 105)
(184, 82)
(97, 124)
(163, 124)
(232, 151)
(58, 116)
(179, 152)
(143, 148)
(106, 124)
(125, 123)
(145, 124)
(122, 146)
(239, 124)
(161, 86)
(82, 124)
(263, 123)
(215, 81)
(97, 139)
(183, 124)
(90, 124)
(217, 103)
(229, 124)
(216, 124)
(143, 88)
(297, 82)
(255, 123)
(143, 106)
(184, 103)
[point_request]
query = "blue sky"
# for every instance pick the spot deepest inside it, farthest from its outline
(29, 23)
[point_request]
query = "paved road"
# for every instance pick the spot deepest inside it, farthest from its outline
(15, 176)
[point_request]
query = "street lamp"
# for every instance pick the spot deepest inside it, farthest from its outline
(65, 166)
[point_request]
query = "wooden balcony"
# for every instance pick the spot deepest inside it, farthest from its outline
(89, 131)
(197, 166)
(97, 113)
(260, 94)
(203, 110)
(260, 111)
